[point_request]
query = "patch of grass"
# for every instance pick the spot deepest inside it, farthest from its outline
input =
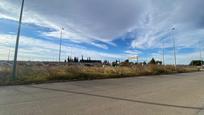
(40, 73)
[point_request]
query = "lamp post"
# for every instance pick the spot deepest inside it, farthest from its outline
(9, 53)
(60, 45)
(163, 53)
(201, 60)
(174, 45)
(17, 41)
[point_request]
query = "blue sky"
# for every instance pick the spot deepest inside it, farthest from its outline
(103, 29)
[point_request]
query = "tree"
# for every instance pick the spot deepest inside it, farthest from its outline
(126, 61)
(152, 61)
(106, 62)
(76, 60)
(196, 63)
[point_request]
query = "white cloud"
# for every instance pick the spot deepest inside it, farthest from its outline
(133, 52)
(100, 45)
(156, 24)
(105, 20)
(182, 58)
(35, 49)
(100, 20)
(90, 19)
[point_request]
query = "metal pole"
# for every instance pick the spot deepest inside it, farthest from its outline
(60, 47)
(137, 60)
(9, 53)
(174, 45)
(201, 54)
(17, 41)
(163, 53)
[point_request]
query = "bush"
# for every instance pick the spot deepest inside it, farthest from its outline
(44, 73)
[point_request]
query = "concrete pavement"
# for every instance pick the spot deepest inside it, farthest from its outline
(179, 94)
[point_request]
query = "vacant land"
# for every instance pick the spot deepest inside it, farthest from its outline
(40, 73)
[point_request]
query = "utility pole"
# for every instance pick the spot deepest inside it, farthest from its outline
(60, 46)
(174, 45)
(17, 42)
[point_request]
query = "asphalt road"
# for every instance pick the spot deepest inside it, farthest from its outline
(180, 94)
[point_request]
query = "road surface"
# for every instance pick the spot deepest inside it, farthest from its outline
(180, 94)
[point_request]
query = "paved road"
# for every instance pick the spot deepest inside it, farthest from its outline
(181, 94)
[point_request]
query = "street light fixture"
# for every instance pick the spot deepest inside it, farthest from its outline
(17, 42)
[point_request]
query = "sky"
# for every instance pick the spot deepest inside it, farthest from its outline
(103, 29)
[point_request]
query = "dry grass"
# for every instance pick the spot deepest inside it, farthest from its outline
(43, 73)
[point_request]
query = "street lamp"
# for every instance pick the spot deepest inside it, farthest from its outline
(163, 53)
(17, 41)
(9, 53)
(60, 45)
(201, 60)
(174, 45)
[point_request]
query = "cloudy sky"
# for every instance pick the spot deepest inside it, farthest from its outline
(103, 29)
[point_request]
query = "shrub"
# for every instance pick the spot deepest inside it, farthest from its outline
(43, 73)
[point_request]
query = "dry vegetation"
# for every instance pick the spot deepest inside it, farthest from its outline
(40, 73)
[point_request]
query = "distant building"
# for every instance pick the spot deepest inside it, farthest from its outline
(196, 63)
(89, 62)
